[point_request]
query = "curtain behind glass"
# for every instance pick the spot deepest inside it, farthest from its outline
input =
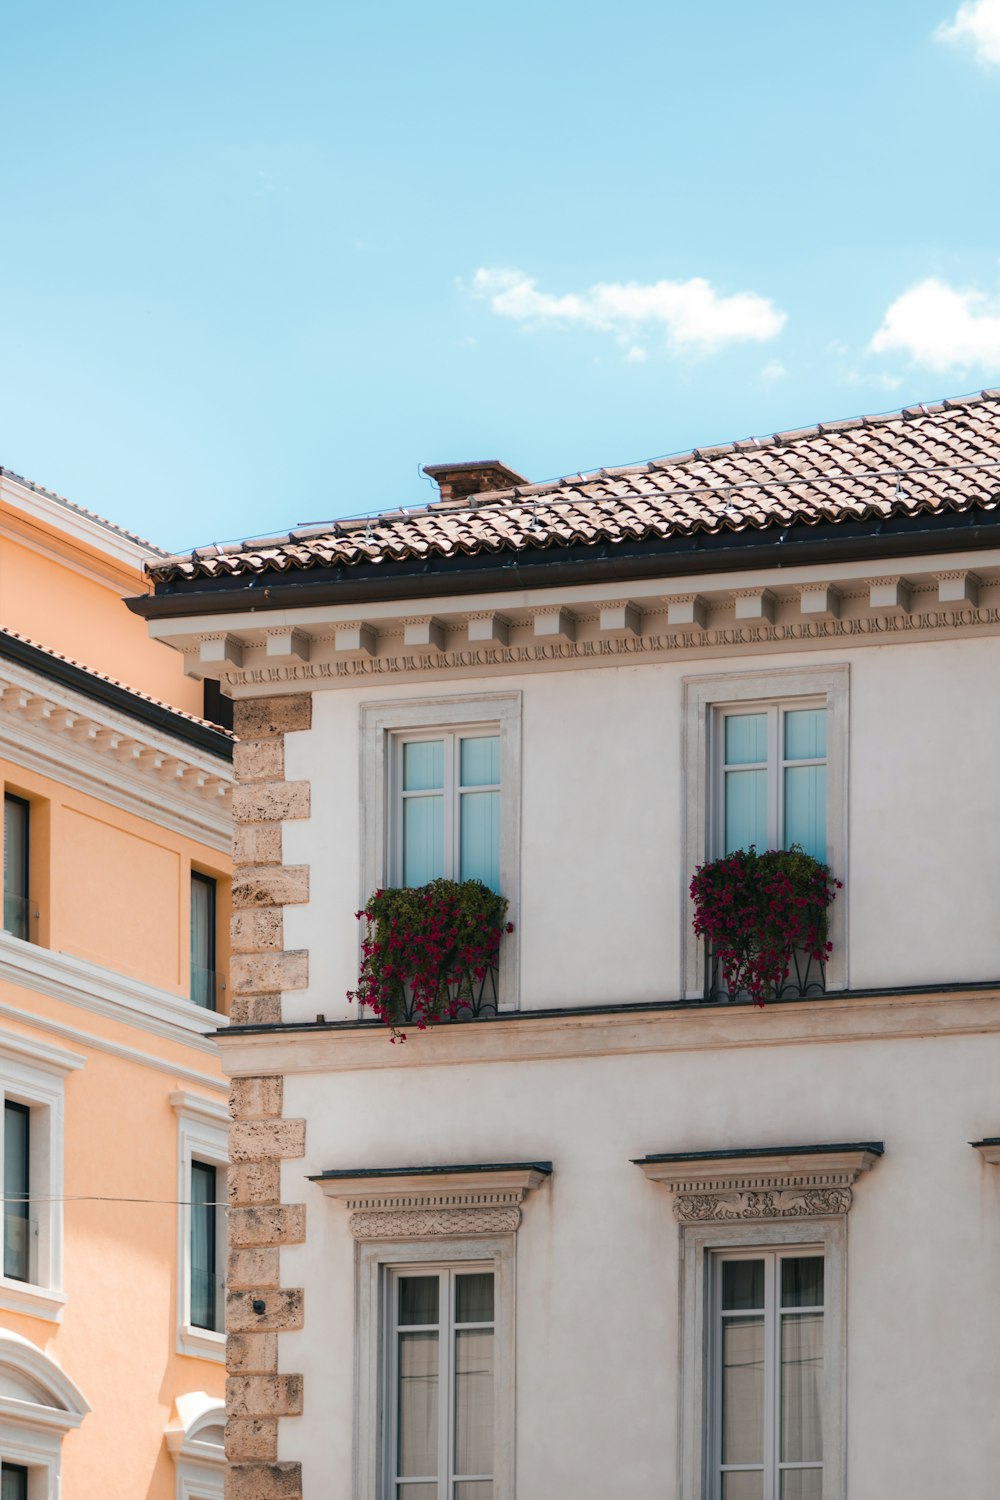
(204, 1251)
(15, 867)
(13, 1482)
(17, 1232)
(203, 941)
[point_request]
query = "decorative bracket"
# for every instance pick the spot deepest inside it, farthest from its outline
(405, 1203)
(769, 1182)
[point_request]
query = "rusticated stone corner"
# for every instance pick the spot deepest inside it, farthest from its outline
(270, 885)
(256, 1098)
(259, 760)
(261, 973)
(264, 1481)
(270, 801)
(267, 1224)
(255, 1010)
(266, 1140)
(252, 1353)
(262, 718)
(264, 1395)
(257, 844)
(283, 1311)
(252, 1438)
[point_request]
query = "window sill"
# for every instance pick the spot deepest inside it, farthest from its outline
(201, 1343)
(33, 1301)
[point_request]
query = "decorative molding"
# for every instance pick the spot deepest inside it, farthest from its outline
(405, 1224)
(696, 1208)
(746, 637)
(788, 1183)
(196, 1107)
(434, 1203)
(110, 756)
(989, 1149)
(107, 993)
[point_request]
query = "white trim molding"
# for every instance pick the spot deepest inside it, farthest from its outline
(195, 1442)
(40, 1406)
(434, 1202)
(379, 723)
(202, 1135)
(772, 1182)
(108, 993)
(704, 697)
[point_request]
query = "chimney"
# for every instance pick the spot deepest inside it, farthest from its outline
(458, 481)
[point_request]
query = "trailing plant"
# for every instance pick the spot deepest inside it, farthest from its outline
(757, 910)
(426, 948)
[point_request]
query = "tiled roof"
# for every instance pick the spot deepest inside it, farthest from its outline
(81, 510)
(923, 459)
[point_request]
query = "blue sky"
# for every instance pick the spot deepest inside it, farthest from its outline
(261, 263)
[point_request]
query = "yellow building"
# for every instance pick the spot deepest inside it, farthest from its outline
(116, 895)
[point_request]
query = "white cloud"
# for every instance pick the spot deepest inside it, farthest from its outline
(773, 370)
(941, 327)
(691, 313)
(637, 355)
(977, 24)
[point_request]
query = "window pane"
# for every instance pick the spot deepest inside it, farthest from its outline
(805, 734)
(15, 867)
(418, 1300)
(743, 1486)
(474, 1401)
(203, 941)
(474, 1489)
(204, 1250)
(805, 809)
(423, 765)
(481, 761)
(418, 1404)
(802, 1281)
(746, 810)
(13, 1482)
(17, 1215)
(474, 1298)
(742, 1285)
(746, 739)
(480, 838)
(423, 839)
(413, 1491)
(742, 1390)
(802, 1484)
(801, 1387)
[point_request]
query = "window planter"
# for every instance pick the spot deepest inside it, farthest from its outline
(763, 918)
(430, 953)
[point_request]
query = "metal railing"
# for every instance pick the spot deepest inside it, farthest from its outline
(806, 979)
(476, 999)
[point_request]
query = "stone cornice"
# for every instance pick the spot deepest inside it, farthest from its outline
(101, 752)
(767, 1184)
(689, 1028)
(436, 1202)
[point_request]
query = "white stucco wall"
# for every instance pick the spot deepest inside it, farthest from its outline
(597, 1253)
(603, 870)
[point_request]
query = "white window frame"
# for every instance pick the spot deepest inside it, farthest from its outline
(775, 765)
(702, 1245)
(376, 1261)
(451, 792)
(384, 727)
(34, 1423)
(202, 1135)
(706, 700)
(34, 1073)
(196, 1447)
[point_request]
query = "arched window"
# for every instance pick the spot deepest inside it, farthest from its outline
(195, 1441)
(38, 1405)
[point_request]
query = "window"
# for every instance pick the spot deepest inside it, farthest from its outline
(17, 1225)
(207, 1238)
(773, 777)
(765, 757)
(203, 951)
(766, 1376)
(440, 1382)
(32, 1076)
(16, 867)
(447, 808)
(201, 1224)
(441, 796)
(13, 1482)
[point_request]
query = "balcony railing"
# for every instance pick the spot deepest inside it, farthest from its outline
(477, 999)
(806, 979)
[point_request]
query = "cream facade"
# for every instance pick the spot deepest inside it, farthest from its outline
(116, 796)
(718, 1252)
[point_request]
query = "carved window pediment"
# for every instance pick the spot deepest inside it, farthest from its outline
(434, 1202)
(780, 1182)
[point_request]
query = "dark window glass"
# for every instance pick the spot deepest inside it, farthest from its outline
(802, 1281)
(16, 1190)
(204, 1247)
(15, 866)
(474, 1297)
(418, 1300)
(218, 709)
(13, 1482)
(742, 1285)
(203, 979)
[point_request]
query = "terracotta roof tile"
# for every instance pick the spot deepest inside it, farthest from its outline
(923, 459)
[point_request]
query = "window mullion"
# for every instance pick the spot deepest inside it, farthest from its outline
(451, 817)
(771, 1377)
(775, 780)
(446, 1411)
